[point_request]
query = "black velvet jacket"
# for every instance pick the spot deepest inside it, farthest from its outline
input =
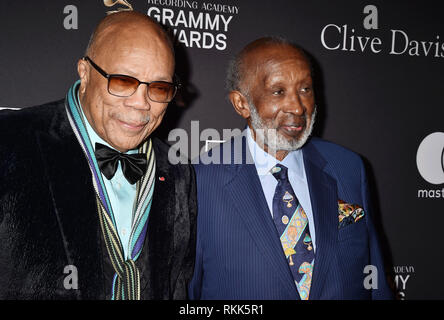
(49, 220)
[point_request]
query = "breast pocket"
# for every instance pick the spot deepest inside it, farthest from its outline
(354, 255)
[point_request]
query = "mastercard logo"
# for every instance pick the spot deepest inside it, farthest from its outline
(430, 158)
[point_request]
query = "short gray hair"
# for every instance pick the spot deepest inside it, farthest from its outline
(235, 72)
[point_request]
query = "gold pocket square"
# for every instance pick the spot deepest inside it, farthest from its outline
(349, 213)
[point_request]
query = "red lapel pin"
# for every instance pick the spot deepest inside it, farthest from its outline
(162, 178)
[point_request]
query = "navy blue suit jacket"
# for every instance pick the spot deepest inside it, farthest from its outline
(239, 254)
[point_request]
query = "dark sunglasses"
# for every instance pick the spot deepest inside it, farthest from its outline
(121, 85)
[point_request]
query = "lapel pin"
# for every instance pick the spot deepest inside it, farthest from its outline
(162, 178)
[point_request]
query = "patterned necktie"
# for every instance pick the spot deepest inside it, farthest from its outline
(292, 225)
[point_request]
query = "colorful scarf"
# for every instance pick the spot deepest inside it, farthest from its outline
(126, 281)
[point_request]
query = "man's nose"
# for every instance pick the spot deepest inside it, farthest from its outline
(294, 104)
(139, 99)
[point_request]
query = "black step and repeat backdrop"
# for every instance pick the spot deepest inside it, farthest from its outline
(379, 69)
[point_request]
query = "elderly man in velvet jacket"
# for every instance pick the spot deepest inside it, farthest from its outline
(90, 207)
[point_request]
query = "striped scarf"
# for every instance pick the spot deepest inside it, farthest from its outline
(126, 281)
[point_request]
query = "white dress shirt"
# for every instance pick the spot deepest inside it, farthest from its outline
(294, 161)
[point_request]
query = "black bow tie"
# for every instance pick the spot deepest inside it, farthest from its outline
(133, 165)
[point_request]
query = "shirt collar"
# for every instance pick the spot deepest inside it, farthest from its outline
(264, 162)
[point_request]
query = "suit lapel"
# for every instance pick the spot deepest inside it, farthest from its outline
(253, 210)
(323, 194)
(74, 204)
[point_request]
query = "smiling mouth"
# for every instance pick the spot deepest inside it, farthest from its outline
(136, 126)
(293, 129)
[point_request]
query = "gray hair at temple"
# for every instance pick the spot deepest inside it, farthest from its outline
(235, 71)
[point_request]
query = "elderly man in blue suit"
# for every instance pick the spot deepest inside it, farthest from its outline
(282, 216)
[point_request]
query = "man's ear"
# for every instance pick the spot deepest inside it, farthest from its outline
(83, 71)
(240, 103)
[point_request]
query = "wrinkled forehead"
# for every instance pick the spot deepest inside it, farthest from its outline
(262, 62)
